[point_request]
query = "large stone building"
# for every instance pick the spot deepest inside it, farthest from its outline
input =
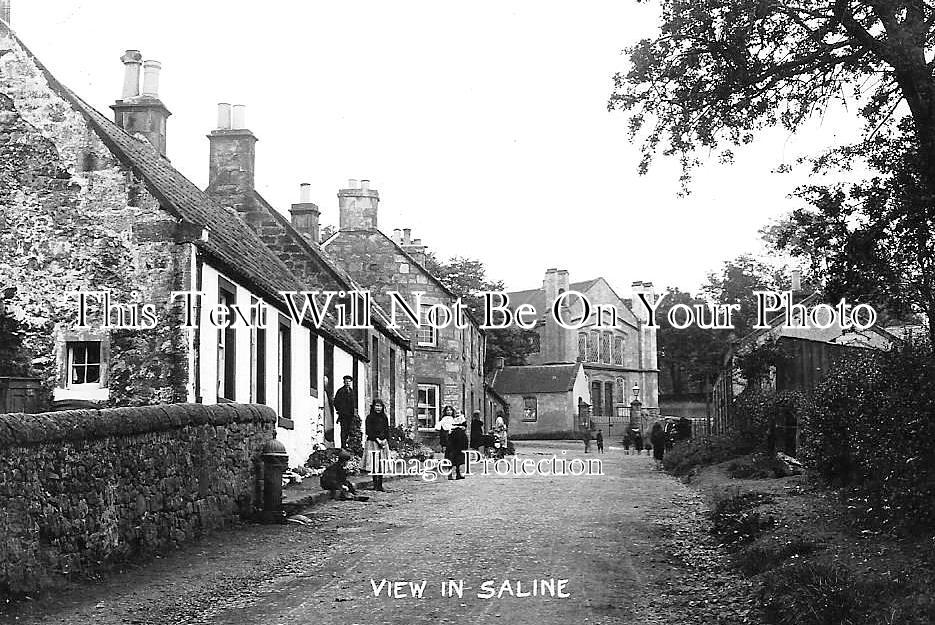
(89, 204)
(618, 351)
(448, 363)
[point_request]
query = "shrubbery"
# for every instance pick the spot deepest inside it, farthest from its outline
(871, 425)
(758, 417)
(808, 594)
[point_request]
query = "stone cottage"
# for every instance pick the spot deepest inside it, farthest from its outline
(295, 240)
(92, 213)
(617, 350)
(448, 362)
(543, 400)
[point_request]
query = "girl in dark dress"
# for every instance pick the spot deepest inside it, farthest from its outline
(457, 443)
(377, 448)
(477, 431)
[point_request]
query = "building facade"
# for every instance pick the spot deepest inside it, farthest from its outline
(447, 362)
(614, 341)
(544, 400)
(89, 205)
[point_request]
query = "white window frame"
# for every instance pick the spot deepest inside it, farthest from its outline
(425, 327)
(535, 411)
(70, 360)
(421, 407)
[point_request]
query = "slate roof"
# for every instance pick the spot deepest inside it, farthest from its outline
(529, 379)
(536, 297)
(380, 319)
(230, 241)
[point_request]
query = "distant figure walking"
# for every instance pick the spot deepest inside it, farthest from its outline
(658, 439)
(600, 442)
(637, 441)
(586, 437)
(626, 442)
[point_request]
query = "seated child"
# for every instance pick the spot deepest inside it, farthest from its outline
(335, 479)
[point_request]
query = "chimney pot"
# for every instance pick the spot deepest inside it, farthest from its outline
(796, 280)
(5, 11)
(132, 60)
(239, 117)
(351, 183)
(407, 233)
(224, 116)
(397, 235)
(151, 78)
(365, 185)
(417, 242)
(305, 193)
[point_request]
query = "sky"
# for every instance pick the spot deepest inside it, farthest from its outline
(483, 124)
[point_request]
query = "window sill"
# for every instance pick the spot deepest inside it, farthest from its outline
(89, 392)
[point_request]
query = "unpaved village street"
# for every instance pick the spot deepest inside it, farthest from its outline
(605, 534)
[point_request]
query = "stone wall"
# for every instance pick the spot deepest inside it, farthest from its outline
(82, 489)
(74, 218)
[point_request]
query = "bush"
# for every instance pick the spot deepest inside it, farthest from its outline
(759, 558)
(808, 594)
(870, 426)
(735, 521)
(756, 466)
(704, 450)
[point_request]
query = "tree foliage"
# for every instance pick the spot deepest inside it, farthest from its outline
(690, 357)
(720, 70)
(869, 240)
(467, 278)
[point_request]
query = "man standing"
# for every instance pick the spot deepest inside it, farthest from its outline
(345, 404)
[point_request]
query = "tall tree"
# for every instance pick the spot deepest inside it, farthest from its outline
(860, 238)
(721, 70)
(689, 357)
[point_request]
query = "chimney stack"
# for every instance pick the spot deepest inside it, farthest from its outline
(357, 205)
(5, 11)
(305, 215)
(232, 160)
(557, 344)
(411, 246)
(796, 280)
(141, 113)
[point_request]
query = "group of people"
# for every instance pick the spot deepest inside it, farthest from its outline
(340, 412)
(452, 437)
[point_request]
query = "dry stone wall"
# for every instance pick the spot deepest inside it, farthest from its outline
(82, 489)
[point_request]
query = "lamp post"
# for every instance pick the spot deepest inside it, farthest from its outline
(635, 409)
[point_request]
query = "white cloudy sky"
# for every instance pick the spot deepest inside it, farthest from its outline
(483, 124)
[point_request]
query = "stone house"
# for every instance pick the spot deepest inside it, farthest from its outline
(544, 400)
(447, 362)
(89, 205)
(295, 240)
(618, 354)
